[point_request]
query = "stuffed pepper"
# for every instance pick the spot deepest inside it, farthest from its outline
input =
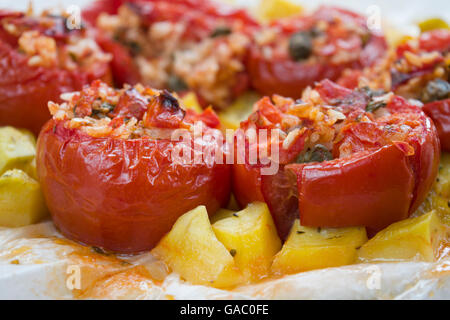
(292, 53)
(107, 168)
(346, 158)
(40, 58)
(180, 45)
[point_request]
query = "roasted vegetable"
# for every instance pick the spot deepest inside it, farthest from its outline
(251, 238)
(275, 9)
(21, 200)
(17, 148)
(316, 248)
(439, 198)
(432, 24)
(123, 190)
(192, 250)
(222, 214)
(238, 111)
(411, 239)
(190, 101)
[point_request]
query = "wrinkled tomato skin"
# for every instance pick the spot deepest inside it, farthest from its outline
(25, 91)
(121, 195)
(246, 184)
(373, 189)
(439, 111)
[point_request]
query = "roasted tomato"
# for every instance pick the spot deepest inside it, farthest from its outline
(40, 58)
(296, 52)
(419, 70)
(181, 45)
(439, 111)
(346, 158)
(107, 169)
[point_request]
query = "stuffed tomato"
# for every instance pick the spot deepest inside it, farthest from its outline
(421, 71)
(345, 158)
(180, 45)
(293, 53)
(40, 58)
(107, 169)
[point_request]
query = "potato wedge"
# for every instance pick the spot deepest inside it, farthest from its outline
(21, 200)
(17, 148)
(411, 239)
(251, 237)
(222, 214)
(312, 248)
(192, 250)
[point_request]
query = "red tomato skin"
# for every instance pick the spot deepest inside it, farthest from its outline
(25, 91)
(281, 75)
(123, 68)
(372, 189)
(285, 77)
(425, 162)
(121, 195)
(439, 111)
(246, 182)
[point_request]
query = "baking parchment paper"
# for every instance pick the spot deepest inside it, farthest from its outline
(37, 263)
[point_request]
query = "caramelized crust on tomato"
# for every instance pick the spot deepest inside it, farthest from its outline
(40, 58)
(105, 163)
(346, 158)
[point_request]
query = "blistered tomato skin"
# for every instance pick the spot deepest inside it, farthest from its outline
(119, 194)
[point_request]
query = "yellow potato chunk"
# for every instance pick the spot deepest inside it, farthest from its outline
(411, 239)
(222, 214)
(17, 148)
(21, 200)
(275, 9)
(439, 198)
(251, 237)
(313, 248)
(192, 250)
(432, 24)
(442, 186)
(238, 111)
(190, 101)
